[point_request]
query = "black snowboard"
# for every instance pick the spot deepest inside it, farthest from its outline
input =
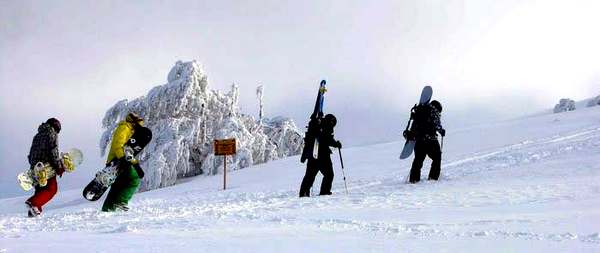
(105, 177)
(312, 129)
(409, 146)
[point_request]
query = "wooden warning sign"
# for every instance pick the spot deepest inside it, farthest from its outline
(225, 147)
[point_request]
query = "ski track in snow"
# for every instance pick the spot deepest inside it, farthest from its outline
(529, 151)
(198, 210)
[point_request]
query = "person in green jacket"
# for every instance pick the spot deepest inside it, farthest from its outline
(128, 180)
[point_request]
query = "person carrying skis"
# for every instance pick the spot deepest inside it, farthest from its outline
(130, 172)
(425, 127)
(323, 162)
(44, 148)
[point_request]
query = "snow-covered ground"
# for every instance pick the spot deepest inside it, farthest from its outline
(526, 185)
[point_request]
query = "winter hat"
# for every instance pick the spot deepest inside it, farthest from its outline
(54, 123)
(330, 120)
(132, 117)
(437, 105)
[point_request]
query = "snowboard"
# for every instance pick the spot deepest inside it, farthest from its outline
(41, 172)
(409, 145)
(311, 144)
(107, 176)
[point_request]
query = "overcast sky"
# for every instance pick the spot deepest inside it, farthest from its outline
(486, 60)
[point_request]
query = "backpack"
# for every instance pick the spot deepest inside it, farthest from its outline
(421, 120)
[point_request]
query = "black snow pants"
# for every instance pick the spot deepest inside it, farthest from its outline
(313, 167)
(424, 148)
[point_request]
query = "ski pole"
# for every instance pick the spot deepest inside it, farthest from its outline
(343, 173)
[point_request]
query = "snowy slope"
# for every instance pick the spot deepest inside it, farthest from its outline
(526, 185)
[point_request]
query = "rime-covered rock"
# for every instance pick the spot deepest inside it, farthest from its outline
(285, 135)
(185, 117)
(564, 105)
(594, 102)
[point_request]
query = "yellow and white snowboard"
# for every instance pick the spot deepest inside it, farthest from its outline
(41, 172)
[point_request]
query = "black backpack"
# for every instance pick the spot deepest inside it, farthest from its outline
(421, 122)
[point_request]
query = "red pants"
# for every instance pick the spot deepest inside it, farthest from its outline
(44, 194)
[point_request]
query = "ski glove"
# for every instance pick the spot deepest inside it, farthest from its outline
(60, 167)
(112, 163)
(338, 144)
(139, 170)
(442, 132)
(119, 163)
(409, 135)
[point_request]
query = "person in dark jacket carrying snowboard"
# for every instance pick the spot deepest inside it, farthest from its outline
(322, 162)
(424, 130)
(44, 149)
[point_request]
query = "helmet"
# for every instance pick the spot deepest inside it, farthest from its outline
(330, 120)
(54, 123)
(436, 104)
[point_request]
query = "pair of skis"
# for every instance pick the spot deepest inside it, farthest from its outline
(311, 143)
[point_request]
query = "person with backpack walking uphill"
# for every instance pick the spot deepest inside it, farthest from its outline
(323, 160)
(424, 131)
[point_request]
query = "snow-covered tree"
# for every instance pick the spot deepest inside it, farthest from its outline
(594, 101)
(185, 117)
(564, 105)
(259, 96)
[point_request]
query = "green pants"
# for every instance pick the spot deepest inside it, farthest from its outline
(122, 190)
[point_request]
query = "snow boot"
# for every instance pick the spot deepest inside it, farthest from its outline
(121, 207)
(122, 190)
(32, 211)
(43, 195)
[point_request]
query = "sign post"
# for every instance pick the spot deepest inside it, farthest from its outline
(224, 148)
